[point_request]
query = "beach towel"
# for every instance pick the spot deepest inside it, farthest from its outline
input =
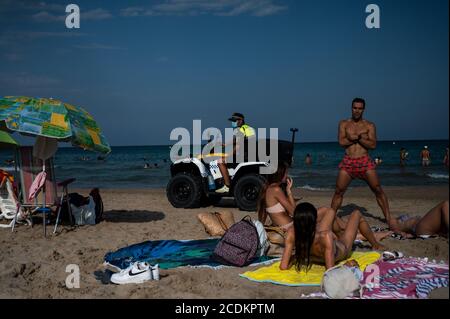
(313, 277)
(36, 187)
(407, 278)
(172, 253)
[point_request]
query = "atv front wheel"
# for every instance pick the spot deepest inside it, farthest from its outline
(185, 191)
(246, 191)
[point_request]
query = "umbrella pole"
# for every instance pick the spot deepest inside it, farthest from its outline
(45, 208)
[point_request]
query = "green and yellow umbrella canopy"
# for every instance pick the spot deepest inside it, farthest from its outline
(54, 119)
(6, 140)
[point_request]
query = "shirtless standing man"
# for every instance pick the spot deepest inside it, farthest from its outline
(358, 136)
(425, 156)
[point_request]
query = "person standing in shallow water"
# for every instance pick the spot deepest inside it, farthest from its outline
(425, 156)
(357, 136)
(403, 157)
(446, 159)
(308, 159)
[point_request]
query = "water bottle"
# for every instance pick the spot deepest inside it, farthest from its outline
(211, 183)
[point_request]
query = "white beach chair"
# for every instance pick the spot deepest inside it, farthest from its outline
(10, 206)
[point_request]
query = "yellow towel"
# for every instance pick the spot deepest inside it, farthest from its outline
(313, 277)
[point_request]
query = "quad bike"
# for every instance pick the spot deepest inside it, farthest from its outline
(193, 181)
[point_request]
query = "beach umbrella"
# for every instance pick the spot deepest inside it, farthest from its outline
(6, 140)
(52, 119)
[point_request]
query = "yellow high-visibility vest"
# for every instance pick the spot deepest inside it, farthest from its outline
(247, 130)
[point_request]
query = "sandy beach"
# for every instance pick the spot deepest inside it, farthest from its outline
(32, 266)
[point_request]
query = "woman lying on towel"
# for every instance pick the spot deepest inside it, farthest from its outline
(435, 222)
(314, 240)
(277, 203)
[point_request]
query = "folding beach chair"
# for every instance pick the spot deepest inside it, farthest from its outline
(9, 203)
(8, 196)
(46, 199)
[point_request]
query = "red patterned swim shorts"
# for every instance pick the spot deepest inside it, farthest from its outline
(357, 167)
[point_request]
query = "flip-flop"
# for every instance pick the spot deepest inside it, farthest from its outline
(426, 236)
(359, 243)
(398, 236)
(392, 255)
(401, 237)
(378, 229)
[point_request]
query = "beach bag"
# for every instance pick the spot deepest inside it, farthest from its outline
(239, 245)
(77, 201)
(216, 224)
(262, 237)
(95, 194)
(340, 282)
(84, 215)
(275, 250)
(275, 235)
(276, 238)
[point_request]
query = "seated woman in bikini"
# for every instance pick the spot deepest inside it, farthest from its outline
(276, 203)
(314, 240)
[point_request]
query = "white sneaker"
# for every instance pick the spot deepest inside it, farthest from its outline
(155, 272)
(137, 273)
(223, 190)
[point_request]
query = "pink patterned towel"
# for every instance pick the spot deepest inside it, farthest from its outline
(404, 278)
(37, 184)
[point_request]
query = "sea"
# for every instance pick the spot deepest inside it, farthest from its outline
(125, 168)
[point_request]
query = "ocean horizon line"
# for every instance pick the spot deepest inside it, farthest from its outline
(296, 143)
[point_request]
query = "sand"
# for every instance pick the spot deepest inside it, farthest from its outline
(32, 266)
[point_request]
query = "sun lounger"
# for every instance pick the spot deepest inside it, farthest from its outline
(9, 205)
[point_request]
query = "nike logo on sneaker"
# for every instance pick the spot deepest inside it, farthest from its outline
(135, 274)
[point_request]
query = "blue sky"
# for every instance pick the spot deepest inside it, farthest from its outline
(142, 68)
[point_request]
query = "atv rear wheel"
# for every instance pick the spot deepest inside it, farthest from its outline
(246, 191)
(185, 190)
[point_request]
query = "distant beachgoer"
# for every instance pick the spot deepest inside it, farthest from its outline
(403, 157)
(9, 162)
(146, 165)
(446, 157)
(313, 238)
(425, 156)
(378, 160)
(156, 165)
(308, 159)
(358, 136)
(435, 222)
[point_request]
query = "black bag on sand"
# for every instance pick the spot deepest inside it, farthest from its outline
(95, 193)
(79, 200)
